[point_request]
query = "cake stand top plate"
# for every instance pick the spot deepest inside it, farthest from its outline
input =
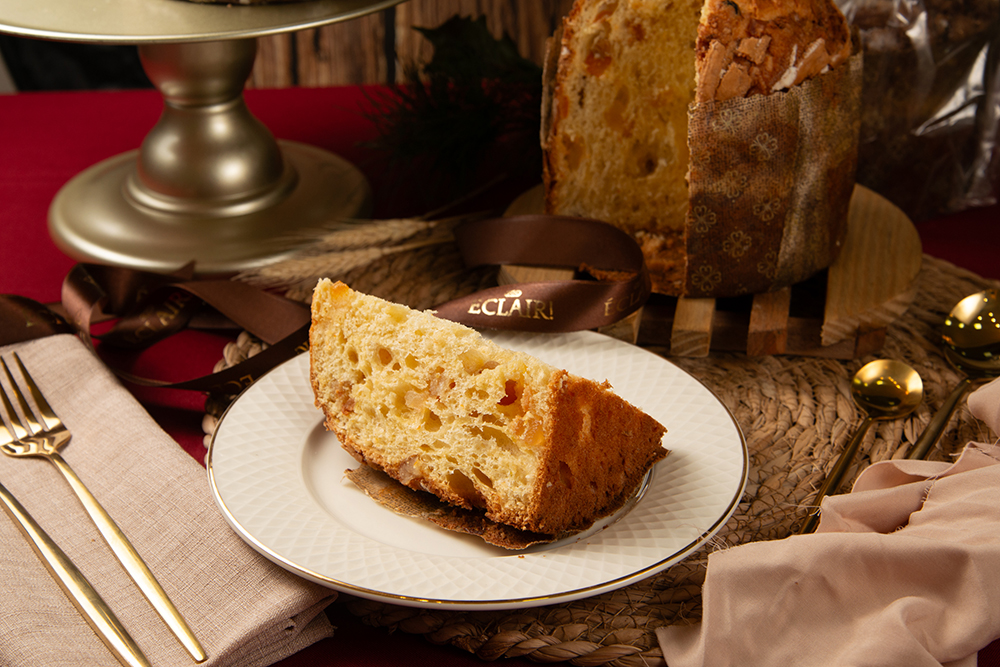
(164, 21)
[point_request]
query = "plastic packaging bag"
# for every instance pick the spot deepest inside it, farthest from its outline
(930, 102)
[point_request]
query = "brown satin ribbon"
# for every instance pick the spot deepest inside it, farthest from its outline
(557, 306)
(148, 307)
(23, 319)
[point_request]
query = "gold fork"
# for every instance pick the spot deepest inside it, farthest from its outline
(43, 438)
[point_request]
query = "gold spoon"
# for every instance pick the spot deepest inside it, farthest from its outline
(884, 389)
(972, 345)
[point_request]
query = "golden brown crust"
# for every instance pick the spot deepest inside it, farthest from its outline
(666, 259)
(585, 474)
(756, 47)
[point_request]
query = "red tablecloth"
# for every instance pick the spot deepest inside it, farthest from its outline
(47, 138)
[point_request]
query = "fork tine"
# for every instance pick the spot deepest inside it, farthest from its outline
(15, 422)
(49, 415)
(110, 531)
(33, 425)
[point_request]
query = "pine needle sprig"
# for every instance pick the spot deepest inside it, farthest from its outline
(474, 91)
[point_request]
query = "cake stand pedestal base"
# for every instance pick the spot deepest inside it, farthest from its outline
(209, 184)
(94, 219)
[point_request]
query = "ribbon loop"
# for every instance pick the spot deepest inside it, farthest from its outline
(548, 240)
(596, 247)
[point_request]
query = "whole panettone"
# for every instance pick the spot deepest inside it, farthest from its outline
(721, 134)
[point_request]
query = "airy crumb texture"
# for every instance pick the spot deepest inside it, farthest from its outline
(621, 76)
(441, 409)
(617, 148)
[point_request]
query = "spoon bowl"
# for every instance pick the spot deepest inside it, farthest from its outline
(887, 389)
(971, 337)
(976, 369)
(972, 328)
(883, 389)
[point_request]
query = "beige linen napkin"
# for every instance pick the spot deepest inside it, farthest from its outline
(245, 610)
(904, 570)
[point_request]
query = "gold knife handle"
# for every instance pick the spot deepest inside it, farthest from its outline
(76, 587)
(132, 562)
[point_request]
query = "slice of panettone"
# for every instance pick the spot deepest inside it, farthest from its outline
(441, 409)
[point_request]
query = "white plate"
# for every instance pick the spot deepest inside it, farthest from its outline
(277, 475)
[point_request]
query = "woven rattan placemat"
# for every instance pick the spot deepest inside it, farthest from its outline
(796, 413)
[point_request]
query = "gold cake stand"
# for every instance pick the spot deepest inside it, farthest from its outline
(209, 183)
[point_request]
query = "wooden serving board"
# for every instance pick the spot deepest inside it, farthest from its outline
(840, 313)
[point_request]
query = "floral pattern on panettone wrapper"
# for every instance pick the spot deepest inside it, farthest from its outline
(779, 172)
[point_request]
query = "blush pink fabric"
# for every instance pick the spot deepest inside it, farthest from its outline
(903, 570)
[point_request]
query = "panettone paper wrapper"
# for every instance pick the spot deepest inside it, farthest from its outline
(403, 500)
(770, 183)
